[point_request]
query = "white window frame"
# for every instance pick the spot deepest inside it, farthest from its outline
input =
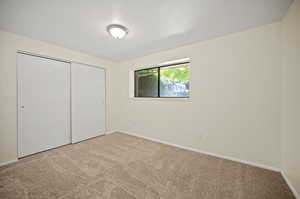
(163, 64)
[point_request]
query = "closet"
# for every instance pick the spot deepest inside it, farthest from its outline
(88, 101)
(59, 103)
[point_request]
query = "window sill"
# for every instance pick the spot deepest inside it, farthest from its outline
(187, 99)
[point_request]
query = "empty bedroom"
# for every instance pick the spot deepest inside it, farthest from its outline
(140, 99)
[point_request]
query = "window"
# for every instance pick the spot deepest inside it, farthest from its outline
(146, 83)
(169, 81)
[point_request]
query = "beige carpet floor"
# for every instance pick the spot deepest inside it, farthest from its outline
(119, 166)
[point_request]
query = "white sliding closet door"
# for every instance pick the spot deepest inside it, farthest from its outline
(88, 101)
(43, 104)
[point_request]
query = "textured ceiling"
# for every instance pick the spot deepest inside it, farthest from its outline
(153, 25)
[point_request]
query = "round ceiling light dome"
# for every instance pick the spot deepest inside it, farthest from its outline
(117, 31)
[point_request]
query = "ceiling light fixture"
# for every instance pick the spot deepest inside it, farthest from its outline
(117, 31)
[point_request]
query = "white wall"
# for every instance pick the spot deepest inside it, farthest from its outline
(291, 96)
(9, 45)
(235, 105)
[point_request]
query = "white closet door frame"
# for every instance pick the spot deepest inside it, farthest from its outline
(105, 99)
(19, 118)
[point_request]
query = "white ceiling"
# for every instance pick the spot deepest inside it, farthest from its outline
(153, 25)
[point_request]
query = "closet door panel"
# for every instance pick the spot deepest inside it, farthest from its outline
(43, 104)
(88, 101)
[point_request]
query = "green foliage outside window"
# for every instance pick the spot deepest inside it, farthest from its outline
(176, 74)
(174, 81)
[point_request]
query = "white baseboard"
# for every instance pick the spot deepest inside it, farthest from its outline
(290, 185)
(208, 153)
(110, 132)
(8, 162)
